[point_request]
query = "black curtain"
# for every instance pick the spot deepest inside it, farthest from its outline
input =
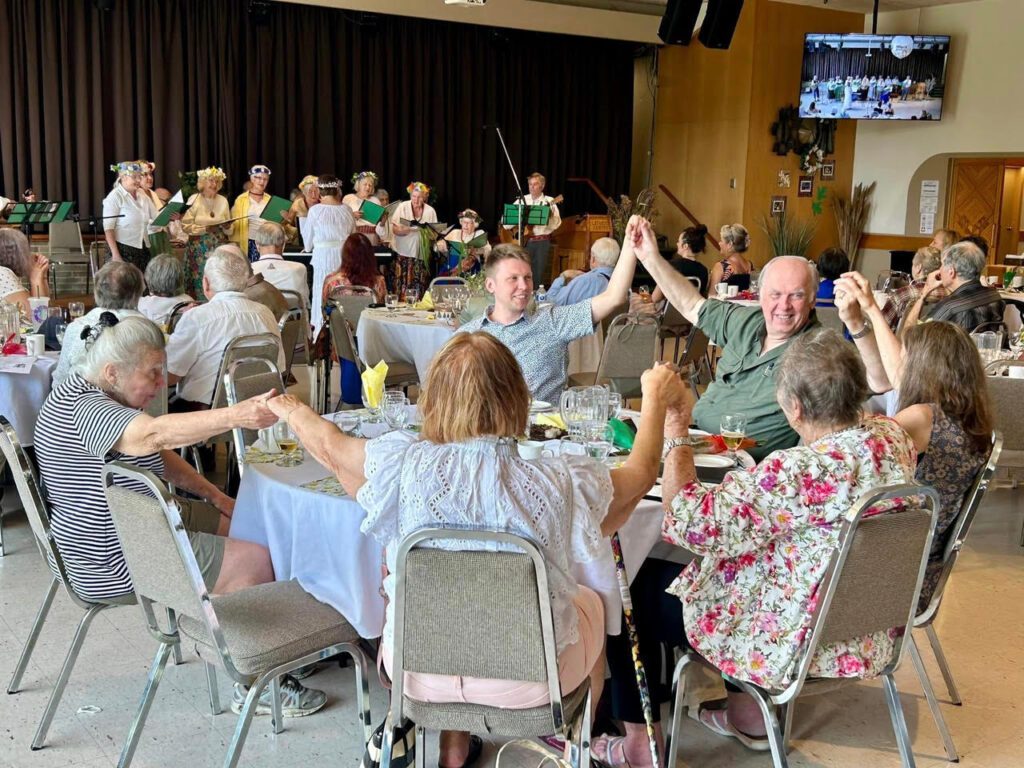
(827, 63)
(189, 83)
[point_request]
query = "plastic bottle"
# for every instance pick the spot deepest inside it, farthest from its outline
(542, 294)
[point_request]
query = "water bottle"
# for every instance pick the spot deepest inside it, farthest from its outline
(541, 295)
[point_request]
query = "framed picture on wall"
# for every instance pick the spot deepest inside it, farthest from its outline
(828, 170)
(806, 188)
(778, 205)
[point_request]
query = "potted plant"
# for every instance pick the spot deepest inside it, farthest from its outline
(788, 236)
(851, 217)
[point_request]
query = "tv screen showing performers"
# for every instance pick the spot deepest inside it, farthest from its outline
(874, 77)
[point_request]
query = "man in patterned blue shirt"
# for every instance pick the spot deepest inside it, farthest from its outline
(540, 341)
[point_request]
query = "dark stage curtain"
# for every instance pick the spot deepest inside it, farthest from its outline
(829, 63)
(190, 83)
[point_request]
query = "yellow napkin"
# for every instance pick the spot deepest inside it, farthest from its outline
(425, 303)
(373, 383)
(551, 420)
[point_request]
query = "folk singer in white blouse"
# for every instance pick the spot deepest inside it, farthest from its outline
(464, 470)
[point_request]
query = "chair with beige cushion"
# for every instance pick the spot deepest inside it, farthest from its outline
(630, 348)
(254, 635)
(239, 388)
(401, 374)
(957, 535)
(447, 622)
(883, 556)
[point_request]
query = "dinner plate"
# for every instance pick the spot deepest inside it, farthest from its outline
(536, 406)
(720, 460)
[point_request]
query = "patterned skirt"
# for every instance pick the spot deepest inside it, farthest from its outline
(138, 256)
(196, 251)
(409, 273)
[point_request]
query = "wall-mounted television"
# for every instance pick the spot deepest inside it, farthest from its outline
(873, 77)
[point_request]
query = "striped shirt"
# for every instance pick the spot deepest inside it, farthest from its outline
(78, 426)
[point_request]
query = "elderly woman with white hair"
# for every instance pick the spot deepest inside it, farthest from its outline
(412, 268)
(574, 286)
(734, 268)
(127, 214)
(117, 289)
(364, 184)
(195, 349)
(247, 209)
(464, 250)
(205, 224)
(165, 281)
(309, 195)
(327, 228)
(96, 416)
(17, 262)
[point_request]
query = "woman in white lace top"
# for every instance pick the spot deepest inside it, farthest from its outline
(464, 470)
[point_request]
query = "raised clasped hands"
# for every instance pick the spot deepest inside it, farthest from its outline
(854, 298)
(664, 383)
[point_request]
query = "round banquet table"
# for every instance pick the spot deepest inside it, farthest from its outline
(410, 336)
(314, 537)
(22, 394)
(407, 335)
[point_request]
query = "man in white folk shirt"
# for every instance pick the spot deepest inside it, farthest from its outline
(195, 349)
(540, 341)
(283, 275)
(538, 244)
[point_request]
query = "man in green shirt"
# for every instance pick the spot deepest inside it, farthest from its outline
(752, 340)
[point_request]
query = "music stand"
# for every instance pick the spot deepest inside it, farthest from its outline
(42, 212)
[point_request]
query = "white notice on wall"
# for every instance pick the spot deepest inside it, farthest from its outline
(930, 188)
(929, 205)
(927, 223)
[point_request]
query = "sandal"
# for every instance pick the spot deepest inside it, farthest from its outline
(713, 716)
(608, 759)
(476, 746)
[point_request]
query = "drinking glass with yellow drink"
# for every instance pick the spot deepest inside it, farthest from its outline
(286, 439)
(734, 429)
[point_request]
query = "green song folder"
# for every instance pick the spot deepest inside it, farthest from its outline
(275, 208)
(371, 211)
(460, 248)
(175, 205)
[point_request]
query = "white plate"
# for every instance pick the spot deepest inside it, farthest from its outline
(536, 406)
(720, 460)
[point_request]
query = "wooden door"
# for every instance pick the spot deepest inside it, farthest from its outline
(975, 199)
(1009, 219)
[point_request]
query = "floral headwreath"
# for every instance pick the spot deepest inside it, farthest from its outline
(469, 213)
(212, 173)
(418, 185)
(259, 168)
(148, 166)
(357, 177)
(126, 167)
(307, 180)
(328, 184)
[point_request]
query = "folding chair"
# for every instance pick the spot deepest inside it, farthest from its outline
(630, 347)
(882, 555)
(437, 590)
(255, 635)
(239, 388)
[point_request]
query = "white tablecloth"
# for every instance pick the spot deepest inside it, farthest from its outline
(1011, 315)
(405, 335)
(315, 538)
(22, 395)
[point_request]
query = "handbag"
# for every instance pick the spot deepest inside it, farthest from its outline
(403, 751)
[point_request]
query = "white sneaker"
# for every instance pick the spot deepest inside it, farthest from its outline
(296, 699)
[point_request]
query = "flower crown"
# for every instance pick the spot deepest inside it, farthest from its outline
(212, 172)
(357, 177)
(126, 167)
(418, 185)
(327, 184)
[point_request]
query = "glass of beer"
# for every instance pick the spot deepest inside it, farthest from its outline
(286, 439)
(734, 429)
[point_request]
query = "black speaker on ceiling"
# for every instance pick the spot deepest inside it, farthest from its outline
(678, 22)
(720, 23)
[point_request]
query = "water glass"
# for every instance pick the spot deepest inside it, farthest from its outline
(412, 295)
(57, 312)
(614, 405)
(374, 411)
(395, 409)
(76, 309)
(989, 344)
(391, 302)
(60, 330)
(10, 320)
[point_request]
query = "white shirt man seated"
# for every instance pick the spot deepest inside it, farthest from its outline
(283, 275)
(195, 349)
(604, 254)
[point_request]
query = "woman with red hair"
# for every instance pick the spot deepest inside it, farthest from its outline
(358, 268)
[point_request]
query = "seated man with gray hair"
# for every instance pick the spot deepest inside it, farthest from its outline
(165, 280)
(969, 303)
(574, 286)
(195, 349)
(752, 339)
(283, 275)
(118, 288)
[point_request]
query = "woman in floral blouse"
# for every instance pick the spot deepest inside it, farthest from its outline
(765, 536)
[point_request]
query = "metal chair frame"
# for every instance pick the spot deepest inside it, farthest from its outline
(445, 280)
(581, 749)
(172, 639)
(925, 620)
(273, 379)
(774, 702)
(39, 519)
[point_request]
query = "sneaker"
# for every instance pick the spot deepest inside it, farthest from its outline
(303, 672)
(296, 699)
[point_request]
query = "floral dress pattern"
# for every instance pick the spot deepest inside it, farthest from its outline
(766, 536)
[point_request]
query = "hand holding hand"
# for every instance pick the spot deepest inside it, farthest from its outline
(254, 413)
(647, 245)
(283, 406)
(663, 382)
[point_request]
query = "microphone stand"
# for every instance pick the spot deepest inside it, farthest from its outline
(519, 188)
(93, 268)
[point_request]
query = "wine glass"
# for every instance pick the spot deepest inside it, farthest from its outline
(569, 409)
(412, 295)
(60, 330)
(75, 310)
(734, 429)
(395, 409)
(391, 302)
(285, 438)
(57, 312)
(374, 411)
(614, 405)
